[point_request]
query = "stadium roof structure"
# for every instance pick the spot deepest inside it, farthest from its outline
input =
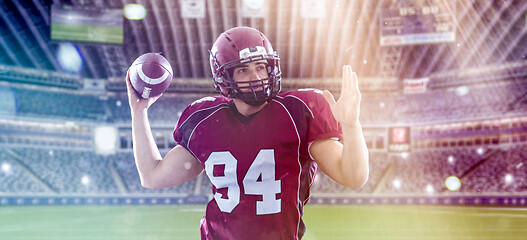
(313, 40)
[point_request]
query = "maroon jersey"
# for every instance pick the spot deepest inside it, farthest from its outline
(259, 165)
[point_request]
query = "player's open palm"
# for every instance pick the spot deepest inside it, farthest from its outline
(346, 110)
(136, 102)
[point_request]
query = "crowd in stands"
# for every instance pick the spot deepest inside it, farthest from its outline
(376, 107)
(165, 110)
(15, 179)
(125, 165)
(78, 171)
(472, 102)
(37, 103)
(422, 172)
(504, 171)
(379, 162)
(67, 171)
(426, 170)
(480, 172)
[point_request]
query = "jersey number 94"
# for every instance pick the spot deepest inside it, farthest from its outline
(259, 180)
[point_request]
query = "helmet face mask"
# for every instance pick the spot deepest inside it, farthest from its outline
(235, 48)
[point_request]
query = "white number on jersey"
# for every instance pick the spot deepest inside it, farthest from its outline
(228, 180)
(263, 168)
(259, 180)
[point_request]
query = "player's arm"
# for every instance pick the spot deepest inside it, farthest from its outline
(178, 165)
(345, 162)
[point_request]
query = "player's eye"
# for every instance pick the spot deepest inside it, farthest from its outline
(261, 67)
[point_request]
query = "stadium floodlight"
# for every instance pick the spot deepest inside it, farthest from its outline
(429, 188)
(462, 90)
(480, 151)
(451, 159)
(69, 58)
(453, 183)
(509, 178)
(397, 183)
(134, 11)
(85, 180)
(105, 140)
(6, 167)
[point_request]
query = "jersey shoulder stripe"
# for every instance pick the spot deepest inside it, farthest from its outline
(194, 114)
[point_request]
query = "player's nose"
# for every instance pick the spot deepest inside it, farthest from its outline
(254, 75)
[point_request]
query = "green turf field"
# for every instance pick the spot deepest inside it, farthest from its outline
(323, 222)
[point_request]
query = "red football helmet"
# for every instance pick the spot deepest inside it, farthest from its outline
(236, 47)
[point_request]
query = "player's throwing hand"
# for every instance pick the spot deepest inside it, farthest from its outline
(136, 102)
(346, 109)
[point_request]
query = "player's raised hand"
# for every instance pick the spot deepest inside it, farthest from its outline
(346, 110)
(135, 101)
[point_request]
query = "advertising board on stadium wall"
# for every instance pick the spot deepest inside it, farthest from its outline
(101, 200)
(513, 200)
(364, 199)
(415, 86)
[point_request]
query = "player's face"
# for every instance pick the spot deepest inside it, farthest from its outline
(249, 72)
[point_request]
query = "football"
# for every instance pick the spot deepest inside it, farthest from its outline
(150, 75)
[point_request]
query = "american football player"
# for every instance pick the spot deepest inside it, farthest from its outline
(260, 148)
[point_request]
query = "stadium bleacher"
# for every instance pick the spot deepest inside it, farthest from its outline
(422, 172)
(67, 171)
(125, 165)
(16, 179)
(38, 165)
(52, 104)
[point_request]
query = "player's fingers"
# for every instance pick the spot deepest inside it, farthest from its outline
(127, 80)
(329, 97)
(346, 78)
(131, 92)
(355, 81)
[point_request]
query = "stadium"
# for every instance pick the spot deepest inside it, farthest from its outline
(443, 111)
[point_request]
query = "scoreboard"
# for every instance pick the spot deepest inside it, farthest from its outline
(399, 139)
(86, 24)
(416, 25)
